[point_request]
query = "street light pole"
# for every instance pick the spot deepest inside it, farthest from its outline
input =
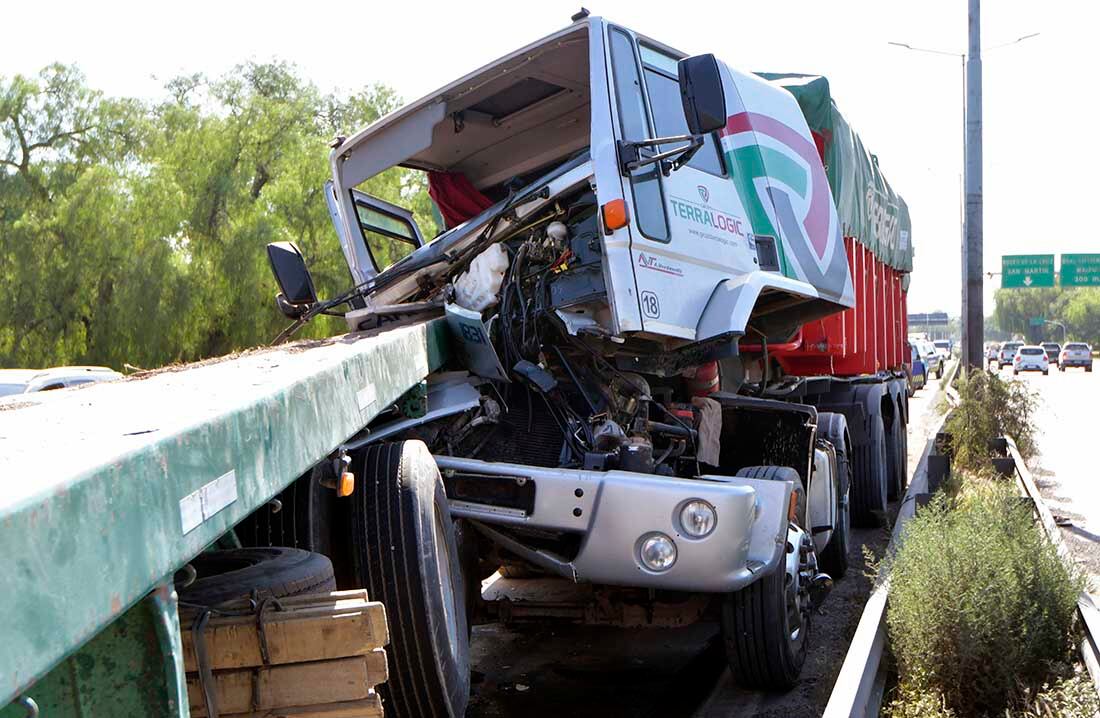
(973, 316)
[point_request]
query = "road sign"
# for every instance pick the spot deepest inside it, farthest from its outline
(1027, 270)
(1037, 321)
(1081, 270)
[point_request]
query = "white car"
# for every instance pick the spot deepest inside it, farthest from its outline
(943, 348)
(1075, 354)
(1031, 358)
(25, 381)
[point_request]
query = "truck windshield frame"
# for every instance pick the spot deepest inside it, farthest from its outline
(385, 233)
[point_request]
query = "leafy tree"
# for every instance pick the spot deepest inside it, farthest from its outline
(134, 232)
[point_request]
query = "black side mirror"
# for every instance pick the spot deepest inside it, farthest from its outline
(295, 283)
(702, 94)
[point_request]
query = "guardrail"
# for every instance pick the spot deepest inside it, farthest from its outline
(859, 687)
(1087, 611)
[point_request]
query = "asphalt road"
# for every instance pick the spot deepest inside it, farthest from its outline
(1066, 469)
(553, 671)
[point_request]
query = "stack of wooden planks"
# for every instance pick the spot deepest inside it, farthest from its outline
(324, 658)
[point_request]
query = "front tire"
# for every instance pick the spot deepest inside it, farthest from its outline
(833, 428)
(765, 642)
(406, 555)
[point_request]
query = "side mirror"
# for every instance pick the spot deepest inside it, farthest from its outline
(295, 283)
(702, 94)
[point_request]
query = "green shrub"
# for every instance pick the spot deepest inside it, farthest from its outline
(980, 605)
(991, 407)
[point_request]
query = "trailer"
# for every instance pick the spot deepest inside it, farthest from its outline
(111, 489)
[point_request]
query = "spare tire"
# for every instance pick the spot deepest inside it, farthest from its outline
(270, 571)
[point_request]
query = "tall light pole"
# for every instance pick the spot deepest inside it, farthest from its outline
(973, 314)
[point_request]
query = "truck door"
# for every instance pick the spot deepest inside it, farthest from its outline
(688, 230)
(386, 233)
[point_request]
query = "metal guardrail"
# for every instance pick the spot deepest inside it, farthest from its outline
(1087, 611)
(859, 687)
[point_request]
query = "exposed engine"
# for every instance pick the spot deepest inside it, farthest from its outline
(540, 299)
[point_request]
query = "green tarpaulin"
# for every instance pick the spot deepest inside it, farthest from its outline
(868, 207)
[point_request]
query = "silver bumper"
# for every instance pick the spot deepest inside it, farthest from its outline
(613, 510)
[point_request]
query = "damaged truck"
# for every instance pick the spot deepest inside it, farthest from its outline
(676, 293)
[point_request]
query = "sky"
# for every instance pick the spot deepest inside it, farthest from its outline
(1040, 146)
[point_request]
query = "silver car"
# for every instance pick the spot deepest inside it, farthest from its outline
(25, 381)
(1075, 354)
(1007, 353)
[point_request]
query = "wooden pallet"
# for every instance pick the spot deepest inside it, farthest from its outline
(325, 658)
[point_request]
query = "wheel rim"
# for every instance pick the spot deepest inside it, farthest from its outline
(794, 610)
(446, 584)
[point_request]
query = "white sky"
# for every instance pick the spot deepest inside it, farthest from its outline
(1040, 106)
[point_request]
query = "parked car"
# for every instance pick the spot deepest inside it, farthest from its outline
(1075, 354)
(1007, 353)
(25, 381)
(933, 362)
(943, 347)
(918, 373)
(1030, 358)
(1053, 349)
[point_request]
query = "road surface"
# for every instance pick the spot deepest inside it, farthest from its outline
(1067, 468)
(670, 673)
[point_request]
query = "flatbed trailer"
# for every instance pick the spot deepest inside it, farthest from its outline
(110, 489)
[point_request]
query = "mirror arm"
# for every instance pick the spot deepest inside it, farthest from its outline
(630, 159)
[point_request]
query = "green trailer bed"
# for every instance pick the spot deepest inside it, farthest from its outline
(107, 490)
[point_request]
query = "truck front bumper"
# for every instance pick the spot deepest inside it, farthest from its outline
(614, 511)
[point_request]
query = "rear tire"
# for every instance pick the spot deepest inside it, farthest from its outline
(406, 555)
(897, 458)
(868, 496)
(834, 559)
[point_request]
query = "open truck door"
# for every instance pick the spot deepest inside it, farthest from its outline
(380, 235)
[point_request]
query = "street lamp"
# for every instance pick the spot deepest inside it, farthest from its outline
(972, 311)
(1057, 324)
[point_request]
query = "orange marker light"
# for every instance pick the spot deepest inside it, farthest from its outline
(346, 485)
(792, 507)
(615, 215)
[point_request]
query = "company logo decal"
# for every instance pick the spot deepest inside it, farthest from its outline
(648, 261)
(706, 216)
(704, 193)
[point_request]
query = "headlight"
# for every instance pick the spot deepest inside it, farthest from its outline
(657, 552)
(698, 518)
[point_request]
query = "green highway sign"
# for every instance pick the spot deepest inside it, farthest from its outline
(1027, 270)
(1081, 270)
(1037, 321)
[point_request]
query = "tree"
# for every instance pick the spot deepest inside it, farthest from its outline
(135, 232)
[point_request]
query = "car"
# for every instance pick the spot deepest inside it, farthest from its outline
(933, 362)
(943, 348)
(992, 350)
(1075, 354)
(26, 381)
(1053, 349)
(918, 373)
(1030, 357)
(1007, 353)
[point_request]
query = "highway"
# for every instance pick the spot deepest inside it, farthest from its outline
(1066, 470)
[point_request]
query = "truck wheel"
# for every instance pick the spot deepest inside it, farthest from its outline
(406, 555)
(834, 429)
(275, 571)
(897, 459)
(869, 475)
(765, 633)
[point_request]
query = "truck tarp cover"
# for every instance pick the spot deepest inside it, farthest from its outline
(868, 207)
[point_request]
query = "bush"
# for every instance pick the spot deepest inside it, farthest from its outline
(991, 407)
(980, 605)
